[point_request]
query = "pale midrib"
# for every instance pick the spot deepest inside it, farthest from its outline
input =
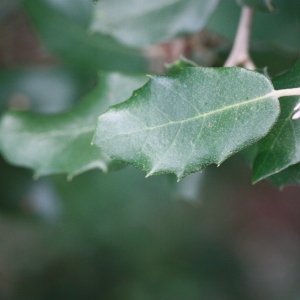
(56, 133)
(271, 94)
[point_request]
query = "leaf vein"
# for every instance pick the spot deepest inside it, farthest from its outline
(168, 148)
(195, 117)
(173, 91)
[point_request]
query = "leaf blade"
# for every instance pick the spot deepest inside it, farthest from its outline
(288, 176)
(62, 143)
(63, 25)
(279, 149)
(179, 124)
(129, 22)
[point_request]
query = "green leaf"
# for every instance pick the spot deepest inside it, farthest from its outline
(64, 29)
(250, 153)
(45, 90)
(277, 30)
(182, 123)
(179, 64)
(281, 147)
(62, 143)
(263, 5)
(140, 23)
(289, 176)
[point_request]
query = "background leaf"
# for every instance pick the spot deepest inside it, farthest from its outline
(289, 176)
(281, 147)
(63, 26)
(279, 31)
(143, 22)
(263, 5)
(182, 123)
(43, 89)
(179, 64)
(62, 143)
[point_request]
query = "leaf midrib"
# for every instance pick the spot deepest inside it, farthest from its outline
(204, 115)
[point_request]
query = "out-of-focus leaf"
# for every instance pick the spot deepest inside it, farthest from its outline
(182, 123)
(289, 176)
(78, 11)
(274, 59)
(179, 64)
(46, 90)
(281, 147)
(143, 22)
(14, 184)
(249, 153)
(188, 189)
(130, 232)
(278, 30)
(263, 5)
(62, 143)
(63, 28)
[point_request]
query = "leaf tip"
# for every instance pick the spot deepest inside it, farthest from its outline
(70, 177)
(151, 172)
(148, 175)
(255, 179)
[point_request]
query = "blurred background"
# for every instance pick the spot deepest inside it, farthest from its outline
(118, 235)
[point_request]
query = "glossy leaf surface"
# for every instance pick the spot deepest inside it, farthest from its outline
(63, 26)
(281, 147)
(182, 123)
(143, 22)
(62, 143)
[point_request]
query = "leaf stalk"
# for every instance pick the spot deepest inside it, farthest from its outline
(290, 92)
(287, 92)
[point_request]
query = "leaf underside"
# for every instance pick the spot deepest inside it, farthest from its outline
(62, 143)
(182, 123)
